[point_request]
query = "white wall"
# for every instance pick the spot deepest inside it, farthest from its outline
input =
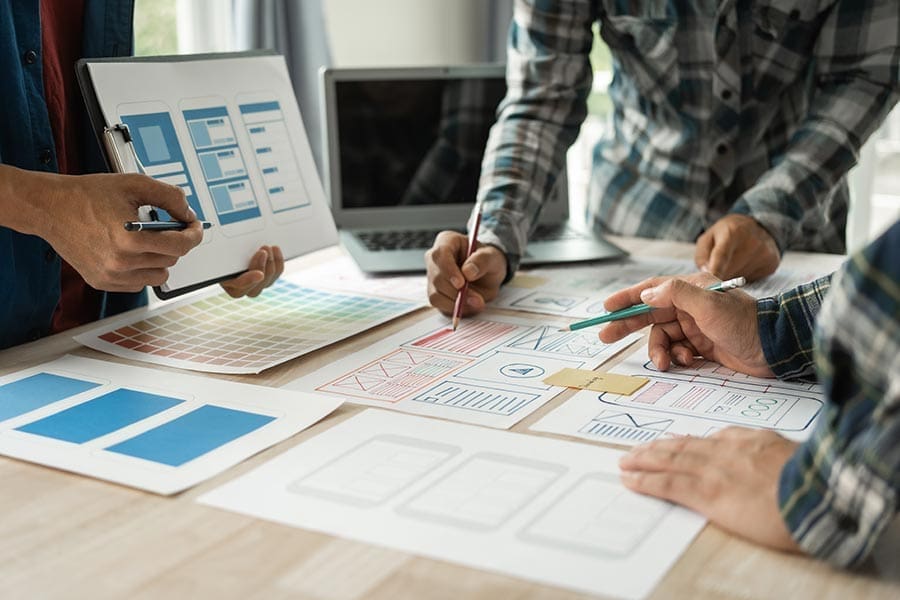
(405, 32)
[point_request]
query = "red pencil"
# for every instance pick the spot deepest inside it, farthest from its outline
(461, 296)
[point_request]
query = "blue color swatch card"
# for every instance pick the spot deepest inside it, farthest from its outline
(159, 432)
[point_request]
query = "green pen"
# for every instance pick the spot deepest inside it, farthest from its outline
(640, 309)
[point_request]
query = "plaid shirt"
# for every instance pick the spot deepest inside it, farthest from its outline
(842, 487)
(756, 107)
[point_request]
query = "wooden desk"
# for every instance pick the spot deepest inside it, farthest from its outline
(66, 536)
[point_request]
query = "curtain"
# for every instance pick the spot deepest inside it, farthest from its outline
(297, 31)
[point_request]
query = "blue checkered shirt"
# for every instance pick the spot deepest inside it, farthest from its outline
(841, 488)
(756, 107)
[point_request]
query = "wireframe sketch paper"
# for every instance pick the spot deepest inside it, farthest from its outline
(697, 400)
(488, 372)
(228, 132)
(546, 510)
(342, 274)
(579, 291)
(220, 334)
(132, 426)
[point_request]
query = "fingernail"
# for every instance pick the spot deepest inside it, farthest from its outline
(649, 294)
(473, 302)
(471, 271)
(456, 282)
(704, 268)
(193, 214)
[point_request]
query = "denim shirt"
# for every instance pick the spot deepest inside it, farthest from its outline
(29, 267)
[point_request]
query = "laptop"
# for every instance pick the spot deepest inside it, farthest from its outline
(403, 149)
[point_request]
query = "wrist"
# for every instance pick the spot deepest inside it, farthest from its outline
(27, 200)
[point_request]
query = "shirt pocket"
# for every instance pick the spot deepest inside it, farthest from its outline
(645, 49)
(784, 39)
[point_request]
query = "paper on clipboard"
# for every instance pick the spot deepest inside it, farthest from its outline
(226, 129)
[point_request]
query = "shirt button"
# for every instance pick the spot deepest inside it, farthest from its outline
(50, 255)
(726, 94)
(722, 149)
(847, 524)
(45, 156)
(794, 15)
(30, 57)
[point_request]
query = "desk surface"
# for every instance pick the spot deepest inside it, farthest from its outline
(69, 536)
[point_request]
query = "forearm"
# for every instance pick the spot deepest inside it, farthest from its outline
(786, 325)
(856, 85)
(26, 200)
(842, 487)
(549, 78)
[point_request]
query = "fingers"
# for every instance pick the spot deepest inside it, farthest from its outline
(722, 261)
(265, 267)
(703, 249)
(167, 197)
(737, 245)
(168, 243)
(442, 266)
(484, 270)
(692, 299)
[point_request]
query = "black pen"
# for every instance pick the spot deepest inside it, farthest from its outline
(160, 225)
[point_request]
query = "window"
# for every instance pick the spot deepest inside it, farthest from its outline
(155, 30)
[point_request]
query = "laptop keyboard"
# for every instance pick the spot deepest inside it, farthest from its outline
(417, 239)
(376, 241)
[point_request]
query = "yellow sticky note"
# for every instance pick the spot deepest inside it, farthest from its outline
(527, 281)
(597, 382)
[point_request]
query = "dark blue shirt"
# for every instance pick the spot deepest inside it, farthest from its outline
(29, 268)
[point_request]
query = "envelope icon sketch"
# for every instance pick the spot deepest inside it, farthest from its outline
(637, 421)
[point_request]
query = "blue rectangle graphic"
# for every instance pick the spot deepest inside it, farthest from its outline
(192, 435)
(100, 416)
(37, 391)
(260, 107)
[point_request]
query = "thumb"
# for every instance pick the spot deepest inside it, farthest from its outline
(171, 199)
(486, 261)
(684, 296)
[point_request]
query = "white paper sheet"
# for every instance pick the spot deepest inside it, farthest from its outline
(219, 334)
(343, 274)
(579, 291)
(488, 372)
(697, 401)
(229, 133)
(546, 510)
(160, 432)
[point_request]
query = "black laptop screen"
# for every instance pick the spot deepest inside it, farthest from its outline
(413, 142)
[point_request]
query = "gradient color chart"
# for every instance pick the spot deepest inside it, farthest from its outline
(220, 334)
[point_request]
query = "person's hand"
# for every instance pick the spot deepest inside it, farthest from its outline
(484, 270)
(83, 218)
(266, 266)
(737, 246)
(731, 478)
(691, 321)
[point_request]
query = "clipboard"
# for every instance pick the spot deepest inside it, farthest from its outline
(227, 130)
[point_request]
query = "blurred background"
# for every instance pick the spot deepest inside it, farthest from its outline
(344, 33)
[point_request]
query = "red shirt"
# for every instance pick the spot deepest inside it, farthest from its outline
(61, 32)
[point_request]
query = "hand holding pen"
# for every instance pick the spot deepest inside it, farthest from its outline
(461, 296)
(689, 320)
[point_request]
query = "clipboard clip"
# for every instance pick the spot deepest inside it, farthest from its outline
(111, 137)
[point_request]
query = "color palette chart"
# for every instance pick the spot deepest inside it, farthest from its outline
(543, 509)
(698, 400)
(220, 334)
(131, 426)
(489, 372)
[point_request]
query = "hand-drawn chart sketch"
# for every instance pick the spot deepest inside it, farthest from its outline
(490, 371)
(579, 291)
(697, 400)
(547, 510)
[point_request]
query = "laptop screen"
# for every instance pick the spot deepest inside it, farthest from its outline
(413, 141)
